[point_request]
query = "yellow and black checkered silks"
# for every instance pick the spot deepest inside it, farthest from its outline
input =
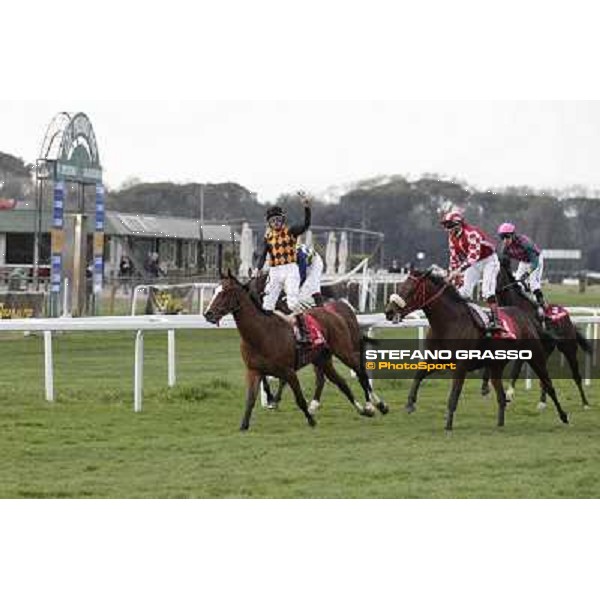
(281, 246)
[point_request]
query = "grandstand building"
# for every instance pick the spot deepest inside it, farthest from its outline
(180, 242)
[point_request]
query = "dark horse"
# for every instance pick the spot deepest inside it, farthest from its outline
(343, 309)
(564, 336)
(268, 347)
(453, 325)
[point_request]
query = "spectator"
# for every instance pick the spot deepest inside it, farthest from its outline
(151, 264)
(125, 272)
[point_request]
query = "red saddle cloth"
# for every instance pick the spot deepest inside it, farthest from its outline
(509, 327)
(555, 313)
(317, 339)
(305, 353)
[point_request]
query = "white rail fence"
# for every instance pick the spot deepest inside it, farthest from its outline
(171, 323)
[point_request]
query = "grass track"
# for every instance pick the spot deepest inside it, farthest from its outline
(186, 442)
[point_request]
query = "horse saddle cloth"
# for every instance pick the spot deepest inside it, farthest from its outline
(555, 313)
(309, 339)
(481, 316)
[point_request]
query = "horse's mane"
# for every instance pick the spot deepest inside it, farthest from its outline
(253, 296)
(434, 274)
(507, 273)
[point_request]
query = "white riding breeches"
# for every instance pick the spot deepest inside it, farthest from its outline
(535, 277)
(312, 283)
(282, 277)
(486, 271)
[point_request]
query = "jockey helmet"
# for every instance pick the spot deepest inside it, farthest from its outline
(506, 229)
(452, 219)
(274, 211)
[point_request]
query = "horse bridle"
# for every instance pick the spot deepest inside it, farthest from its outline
(420, 293)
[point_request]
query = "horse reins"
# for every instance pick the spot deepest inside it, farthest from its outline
(421, 291)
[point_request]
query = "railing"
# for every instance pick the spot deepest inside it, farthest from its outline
(171, 323)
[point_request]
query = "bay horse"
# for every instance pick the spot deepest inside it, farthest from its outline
(256, 286)
(452, 324)
(268, 347)
(564, 336)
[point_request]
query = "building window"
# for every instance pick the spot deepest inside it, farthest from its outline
(19, 248)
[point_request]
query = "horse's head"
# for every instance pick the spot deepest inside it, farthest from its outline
(225, 300)
(413, 293)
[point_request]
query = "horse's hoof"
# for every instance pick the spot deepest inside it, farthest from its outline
(311, 421)
(542, 406)
(368, 410)
(313, 407)
(510, 394)
(272, 405)
(244, 428)
(564, 418)
(410, 408)
(587, 407)
(485, 391)
(383, 408)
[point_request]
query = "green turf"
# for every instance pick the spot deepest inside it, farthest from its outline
(186, 442)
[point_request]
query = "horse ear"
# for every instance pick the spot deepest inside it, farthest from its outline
(249, 272)
(221, 275)
(229, 274)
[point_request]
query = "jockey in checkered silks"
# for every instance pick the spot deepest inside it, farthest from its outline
(472, 258)
(280, 244)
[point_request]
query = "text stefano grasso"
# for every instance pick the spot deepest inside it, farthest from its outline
(497, 354)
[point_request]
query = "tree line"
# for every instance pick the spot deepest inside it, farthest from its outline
(406, 212)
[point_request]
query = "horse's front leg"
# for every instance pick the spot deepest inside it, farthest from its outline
(412, 395)
(485, 381)
(315, 403)
(279, 392)
(496, 374)
(514, 375)
(457, 385)
(252, 380)
(264, 381)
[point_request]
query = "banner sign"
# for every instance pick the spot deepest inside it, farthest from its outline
(99, 239)
(57, 235)
(21, 305)
(170, 301)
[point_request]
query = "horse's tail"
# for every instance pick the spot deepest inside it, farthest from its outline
(370, 340)
(583, 342)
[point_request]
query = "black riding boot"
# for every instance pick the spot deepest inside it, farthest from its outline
(318, 298)
(539, 297)
(303, 335)
(494, 324)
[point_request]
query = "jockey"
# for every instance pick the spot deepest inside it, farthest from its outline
(531, 263)
(472, 252)
(310, 266)
(280, 244)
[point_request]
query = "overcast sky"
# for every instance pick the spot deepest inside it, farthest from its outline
(272, 147)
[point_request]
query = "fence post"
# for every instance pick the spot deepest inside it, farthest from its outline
(48, 366)
(171, 375)
(588, 359)
(138, 371)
